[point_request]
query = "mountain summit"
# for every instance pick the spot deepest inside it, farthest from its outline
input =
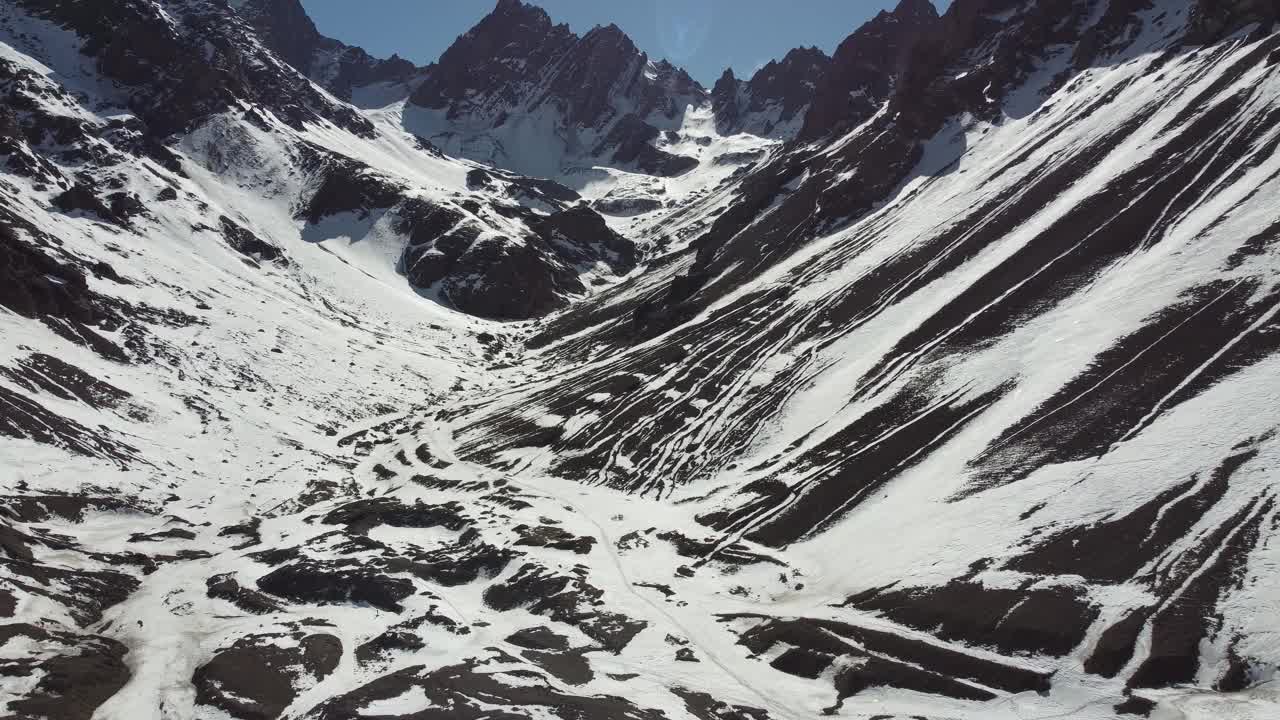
(596, 98)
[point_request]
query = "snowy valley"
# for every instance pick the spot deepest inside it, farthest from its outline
(938, 378)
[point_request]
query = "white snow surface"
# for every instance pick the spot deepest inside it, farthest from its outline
(296, 387)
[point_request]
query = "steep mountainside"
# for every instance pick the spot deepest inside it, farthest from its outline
(936, 379)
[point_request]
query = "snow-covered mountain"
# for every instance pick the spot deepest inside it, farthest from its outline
(520, 92)
(934, 379)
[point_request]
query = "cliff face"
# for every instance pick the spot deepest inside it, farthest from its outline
(774, 100)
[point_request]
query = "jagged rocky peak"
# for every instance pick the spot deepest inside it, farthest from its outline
(790, 77)
(774, 100)
(725, 86)
(285, 28)
(516, 55)
(517, 67)
(490, 62)
(862, 72)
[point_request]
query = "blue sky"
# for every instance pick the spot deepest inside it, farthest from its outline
(703, 36)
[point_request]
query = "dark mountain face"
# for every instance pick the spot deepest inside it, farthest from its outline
(866, 67)
(285, 28)
(775, 97)
(508, 49)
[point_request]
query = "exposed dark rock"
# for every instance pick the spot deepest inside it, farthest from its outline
(243, 241)
(45, 373)
(1045, 620)
(465, 561)
(548, 192)
(626, 206)
(686, 655)
(501, 277)
(630, 143)
(705, 707)
(247, 529)
(125, 205)
(512, 40)
(388, 642)
(563, 598)
(820, 642)
(162, 535)
(405, 636)
(363, 515)
(24, 418)
(553, 537)
(470, 694)
(568, 667)
(876, 672)
(1179, 626)
(226, 587)
(733, 554)
(82, 199)
(518, 281)
(802, 662)
(35, 283)
(39, 508)
(539, 638)
(588, 236)
(83, 674)
(257, 678)
(1135, 705)
(276, 556)
(341, 582)
(348, 186)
